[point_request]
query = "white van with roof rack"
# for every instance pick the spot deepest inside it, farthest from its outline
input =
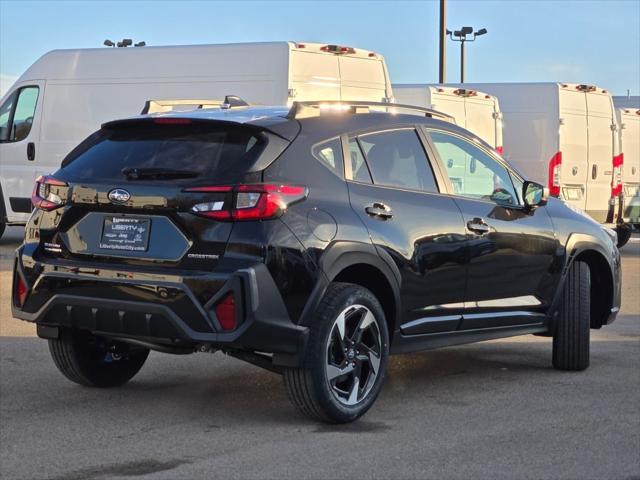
(476, 111)
(565, 136)
(629, 186)
(67, 94)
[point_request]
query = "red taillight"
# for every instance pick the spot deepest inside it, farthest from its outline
(226, 312)
(500, 150)
(616, 179)
(20, 291)
(43, 197)
(248, 202)
(554, 174)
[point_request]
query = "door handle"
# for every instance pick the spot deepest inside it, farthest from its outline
(594, 172)
(31, 151)
(478, 225)
(379, 210)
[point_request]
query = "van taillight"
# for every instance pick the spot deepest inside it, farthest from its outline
(248, 202)
(500, 150)
(555, 165)
(45, 195)
(616, 179)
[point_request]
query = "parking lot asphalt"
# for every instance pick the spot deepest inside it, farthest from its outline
(490, 410)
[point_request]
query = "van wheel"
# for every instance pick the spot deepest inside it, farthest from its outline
(571, 335)
(93, 361)
(346, 356)
(2, 227)
(624, 232)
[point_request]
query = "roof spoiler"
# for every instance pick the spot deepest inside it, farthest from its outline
(157, 106)
(314, 108)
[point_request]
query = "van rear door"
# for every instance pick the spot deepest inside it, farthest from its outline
(630, 148)
(362, 78)
(314, 76)
(602, 149)
(573, 146)
(480, 118)
(19, 141)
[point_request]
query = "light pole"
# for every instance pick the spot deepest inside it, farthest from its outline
(442, 74)
(461, 36)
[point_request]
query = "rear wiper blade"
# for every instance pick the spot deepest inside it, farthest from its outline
(157, 173)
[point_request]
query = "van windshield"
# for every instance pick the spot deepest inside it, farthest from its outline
(202, 150)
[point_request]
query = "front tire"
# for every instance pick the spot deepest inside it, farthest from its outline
(93, 361)
(345, 361)
(571, 335)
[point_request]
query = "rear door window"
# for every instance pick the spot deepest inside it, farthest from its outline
(330, 155)
(202, 151)
(359, 170)
(397, 159)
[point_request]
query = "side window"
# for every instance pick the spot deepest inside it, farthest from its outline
(16, 114)
(397, 159)
(359, 169)
(330, 155)
(473, 173)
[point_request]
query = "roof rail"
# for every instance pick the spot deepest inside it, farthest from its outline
(313, 108)
(156, 106)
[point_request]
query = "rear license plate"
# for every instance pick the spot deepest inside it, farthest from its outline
(125, 233)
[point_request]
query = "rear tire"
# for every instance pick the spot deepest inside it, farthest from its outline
(93, 361)
(572, 329)
(344, 365)
(2, 227)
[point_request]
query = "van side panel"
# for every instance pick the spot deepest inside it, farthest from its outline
(574, 147)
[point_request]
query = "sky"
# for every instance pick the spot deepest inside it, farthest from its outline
(582, 41)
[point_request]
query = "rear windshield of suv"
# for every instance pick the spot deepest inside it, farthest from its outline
(204, 151)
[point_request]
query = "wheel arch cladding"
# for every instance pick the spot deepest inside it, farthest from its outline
(369, 277)
(358, 263)
(601, 286)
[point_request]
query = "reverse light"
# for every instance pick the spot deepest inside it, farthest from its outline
(226, 312)
(248, 202)
(616, 179)
(555, 165)
(44, 197)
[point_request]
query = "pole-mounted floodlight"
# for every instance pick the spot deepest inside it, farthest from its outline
(125, 42)
(461, 36)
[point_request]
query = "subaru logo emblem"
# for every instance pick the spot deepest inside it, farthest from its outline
(119, 195)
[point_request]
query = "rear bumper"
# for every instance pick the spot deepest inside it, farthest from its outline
(165, 312)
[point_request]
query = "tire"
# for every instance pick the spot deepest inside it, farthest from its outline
(571, 334)
(624, 232)
(2, 227)
(348, 334)
(92, 361)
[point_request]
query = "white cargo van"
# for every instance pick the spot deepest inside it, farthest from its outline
(476, 111)
(563, 135)
(629, 186)
(66, 94)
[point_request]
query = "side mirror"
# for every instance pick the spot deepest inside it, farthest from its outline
(533, 194)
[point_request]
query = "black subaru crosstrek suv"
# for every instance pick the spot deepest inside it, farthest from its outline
(312, 241)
